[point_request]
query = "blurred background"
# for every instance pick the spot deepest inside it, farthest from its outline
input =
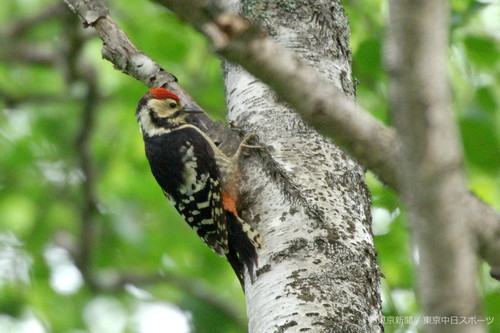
(88, 243)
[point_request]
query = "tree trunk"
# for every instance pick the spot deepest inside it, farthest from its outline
(309, 200)
(431, 173)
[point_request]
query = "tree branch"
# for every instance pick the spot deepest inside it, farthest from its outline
(122, 53)
(119, 280)
(19, 51)
(74, 71)
(89, 205)
(486, 227)
(11, 100)
(118, 49)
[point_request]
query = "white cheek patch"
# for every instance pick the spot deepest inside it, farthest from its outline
(148, 127)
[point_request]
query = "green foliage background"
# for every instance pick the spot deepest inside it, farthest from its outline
(135, 236)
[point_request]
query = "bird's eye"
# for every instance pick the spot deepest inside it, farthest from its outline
(172, 105)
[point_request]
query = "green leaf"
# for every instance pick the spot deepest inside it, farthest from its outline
(482, 51)
(481, 143)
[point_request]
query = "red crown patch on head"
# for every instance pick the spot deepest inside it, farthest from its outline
(162, 93)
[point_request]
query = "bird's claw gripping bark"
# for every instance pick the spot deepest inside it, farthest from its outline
(245, 144)
(248, 138)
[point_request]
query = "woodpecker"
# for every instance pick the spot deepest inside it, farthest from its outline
(197, 177)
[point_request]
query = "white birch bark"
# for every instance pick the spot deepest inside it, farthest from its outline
(318, 272)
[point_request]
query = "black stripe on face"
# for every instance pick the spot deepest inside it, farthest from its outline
(165, 122)
(161, 121)
(174, 115)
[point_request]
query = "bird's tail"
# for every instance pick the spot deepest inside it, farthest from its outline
(243, 242)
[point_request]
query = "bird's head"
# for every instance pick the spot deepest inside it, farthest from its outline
(161, 110)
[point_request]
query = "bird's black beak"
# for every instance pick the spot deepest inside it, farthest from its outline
(191, 110)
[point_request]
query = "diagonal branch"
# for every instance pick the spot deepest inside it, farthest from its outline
(122, 53)
(22, 52)
(106, 281)
(118, 281)
(119, 50)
